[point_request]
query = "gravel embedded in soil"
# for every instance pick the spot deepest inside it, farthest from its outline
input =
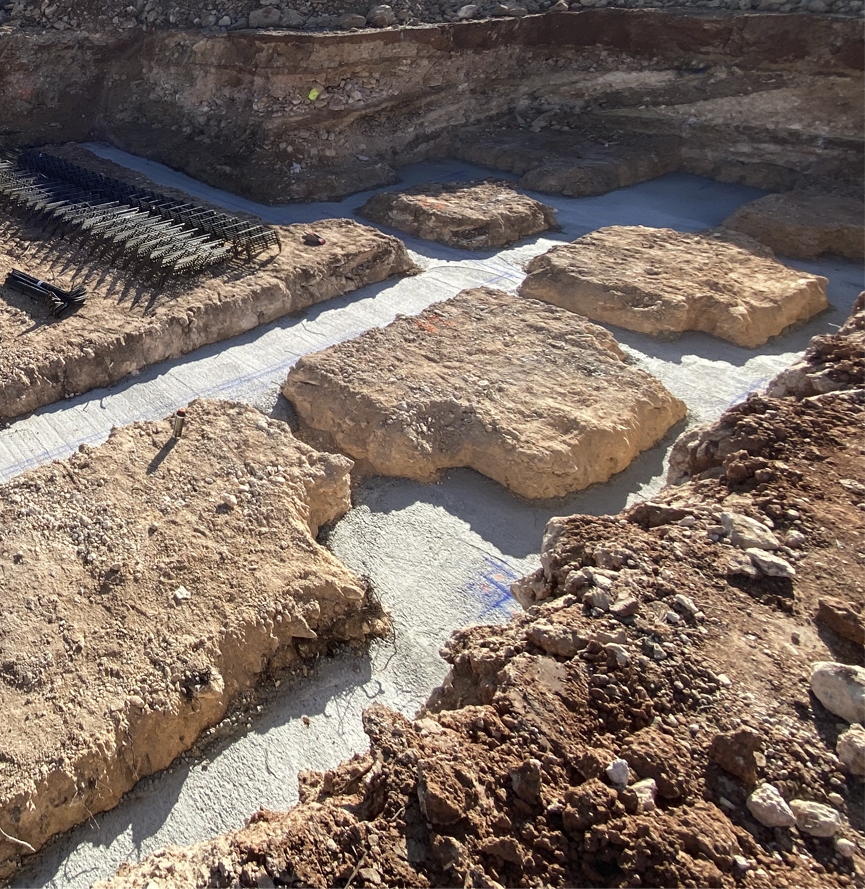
(146, 584)
(695, 677)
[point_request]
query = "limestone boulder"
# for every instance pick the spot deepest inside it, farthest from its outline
(804, 225)
(663, 282)
(851, 750)
(770, 808)
(473, 217)
(840, 688)
(537, 398)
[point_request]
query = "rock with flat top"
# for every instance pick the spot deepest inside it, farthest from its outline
(532, 396)
(474, 216)
(663, 282)
(804, 225)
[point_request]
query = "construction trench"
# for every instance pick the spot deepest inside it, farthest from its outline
(267, 593)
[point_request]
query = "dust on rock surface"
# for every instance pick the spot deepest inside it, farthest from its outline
(473, 216)
(804, 225)
(664, 282)
(128, 323)
(535, 397)
(148, 582)
(514, 773)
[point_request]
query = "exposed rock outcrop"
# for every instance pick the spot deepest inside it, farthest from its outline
(147, 583)
(532, 396)
(663, 282)
(474, 216)
(804, 225)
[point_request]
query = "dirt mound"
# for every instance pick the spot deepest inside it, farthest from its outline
(534, 397)
(128, 324)
(615, 734)
(804, 225)
(663, 282)
(146, 583)
(474, 216)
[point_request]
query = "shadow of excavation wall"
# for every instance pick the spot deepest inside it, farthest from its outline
(763, 99)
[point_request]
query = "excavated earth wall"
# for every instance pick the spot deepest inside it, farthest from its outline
(280, 115)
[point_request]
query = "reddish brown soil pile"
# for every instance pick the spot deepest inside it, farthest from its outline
(646, 646)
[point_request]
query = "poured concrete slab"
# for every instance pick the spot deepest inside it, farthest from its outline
(663, 282)
(474, 216)
(127, 324)
(146, 583)
(804, 225)
(534, 397)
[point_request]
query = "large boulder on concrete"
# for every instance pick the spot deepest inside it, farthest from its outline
(474, 216)
(532, 396)
(804, 225)
(663, 282)
(146, 584)
(840, 688)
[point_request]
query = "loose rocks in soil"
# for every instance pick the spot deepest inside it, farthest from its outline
(474, 216)
(663, 282)
(537, 398)
(146, 583)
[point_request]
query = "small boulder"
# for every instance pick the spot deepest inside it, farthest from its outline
(351, 20)
(850, 748)
(381, 16)
(265, 17)
(770, 564)
(640, 797)
(747, 533)
(768, 806)
(556, 639)
(840, 688)
(734, 753)
(843, 618)
(618, 772)
(815, 818)
(526, 781)
(468, 11)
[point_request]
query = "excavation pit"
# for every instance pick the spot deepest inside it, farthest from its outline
(663, 283)
(147, 583)
(527, 394)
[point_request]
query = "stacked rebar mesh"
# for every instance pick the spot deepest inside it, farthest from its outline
(137, 228)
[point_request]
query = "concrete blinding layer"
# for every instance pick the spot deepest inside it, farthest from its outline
(440, 556)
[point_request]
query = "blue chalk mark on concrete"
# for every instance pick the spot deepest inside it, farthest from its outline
(493, 588)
